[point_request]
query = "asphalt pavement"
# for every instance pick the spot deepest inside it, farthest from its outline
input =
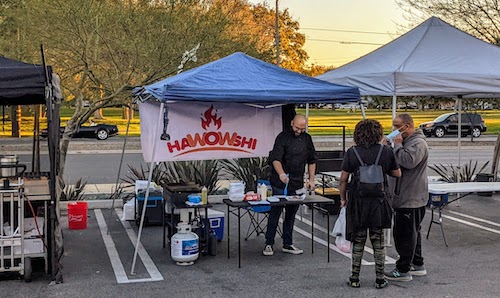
(98, 260)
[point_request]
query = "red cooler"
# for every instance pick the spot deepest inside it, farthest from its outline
(77, 215)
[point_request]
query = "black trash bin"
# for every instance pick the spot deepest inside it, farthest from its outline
(485, 177)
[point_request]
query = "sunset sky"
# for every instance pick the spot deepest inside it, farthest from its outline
(326, 47)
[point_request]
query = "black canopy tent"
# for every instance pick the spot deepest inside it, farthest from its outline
(31, 84)
(22, 83)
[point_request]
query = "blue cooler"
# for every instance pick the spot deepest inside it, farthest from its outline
(437, 199)
(154, 211)
(216, 222)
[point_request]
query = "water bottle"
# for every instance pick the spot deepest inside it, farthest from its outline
(263, 192)
(204, 195)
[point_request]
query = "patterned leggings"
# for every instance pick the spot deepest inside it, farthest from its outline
(358, 245)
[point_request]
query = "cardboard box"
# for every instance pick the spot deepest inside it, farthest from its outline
(31, 246)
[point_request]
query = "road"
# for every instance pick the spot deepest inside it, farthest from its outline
(103, 167)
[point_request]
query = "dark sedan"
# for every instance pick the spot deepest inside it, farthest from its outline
(98, 131)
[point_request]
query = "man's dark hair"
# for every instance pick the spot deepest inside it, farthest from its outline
(368, 132)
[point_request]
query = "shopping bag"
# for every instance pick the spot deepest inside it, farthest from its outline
(339, 231)
(343, 244)
(339, 227)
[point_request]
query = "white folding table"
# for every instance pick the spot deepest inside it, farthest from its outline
(462, 188)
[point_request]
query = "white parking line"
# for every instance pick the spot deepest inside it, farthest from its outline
(116, 263)
(146, 259)
(472, 224)
(475, 218)
(388, 260)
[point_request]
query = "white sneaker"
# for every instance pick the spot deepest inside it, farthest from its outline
(291, 249)
(268, 250)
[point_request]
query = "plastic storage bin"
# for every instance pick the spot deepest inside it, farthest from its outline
(216, 220)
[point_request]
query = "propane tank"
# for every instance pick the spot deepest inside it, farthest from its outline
(184, 245)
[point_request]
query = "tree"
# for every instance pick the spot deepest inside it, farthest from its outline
(315, 70)
(103, 49)
(480, 18)
(381, 102)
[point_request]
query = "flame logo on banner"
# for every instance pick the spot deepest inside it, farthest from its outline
(209, 118)
(212, 139)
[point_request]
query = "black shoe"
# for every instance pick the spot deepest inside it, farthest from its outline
(292, 249)
(381, 283)
(354, 282)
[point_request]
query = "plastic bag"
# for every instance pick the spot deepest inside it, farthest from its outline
(343, 244)
(339, 231)
(339, 227)
(129, 210)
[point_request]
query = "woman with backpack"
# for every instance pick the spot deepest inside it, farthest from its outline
(367, 198)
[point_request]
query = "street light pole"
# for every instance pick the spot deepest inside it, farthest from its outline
(277, 37)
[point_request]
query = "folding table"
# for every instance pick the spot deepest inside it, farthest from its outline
(236, 210)
(438, 197)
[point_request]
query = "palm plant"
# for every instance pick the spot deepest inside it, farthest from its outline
(73, 192)
(248, 170)
(453, 173)
(158, 177)
(201, 172)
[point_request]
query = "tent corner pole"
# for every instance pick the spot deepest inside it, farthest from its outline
(307, 117)
(362, 107)
(121, 163)
(459, 133)
(394, 105)
(146, 197)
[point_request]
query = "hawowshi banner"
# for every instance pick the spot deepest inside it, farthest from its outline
(204, 131)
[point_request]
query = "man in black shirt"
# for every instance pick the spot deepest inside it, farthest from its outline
(292, 150)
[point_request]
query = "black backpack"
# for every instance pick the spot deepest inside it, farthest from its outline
(369, 180)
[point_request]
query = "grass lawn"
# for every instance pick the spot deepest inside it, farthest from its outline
(327, 117)
(317, 117)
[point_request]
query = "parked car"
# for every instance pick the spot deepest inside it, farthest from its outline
(472, 123)
(98, 131)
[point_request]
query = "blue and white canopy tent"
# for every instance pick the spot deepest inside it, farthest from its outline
(236, 79)
(239, 78)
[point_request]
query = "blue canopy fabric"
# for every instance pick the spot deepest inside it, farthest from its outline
(244, 79)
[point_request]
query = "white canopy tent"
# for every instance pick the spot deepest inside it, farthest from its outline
(433, 59)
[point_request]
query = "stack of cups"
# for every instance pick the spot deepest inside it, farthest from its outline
(236, 191)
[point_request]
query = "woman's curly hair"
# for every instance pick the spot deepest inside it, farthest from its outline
(368, 132)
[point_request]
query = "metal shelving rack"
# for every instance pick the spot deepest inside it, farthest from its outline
(11, 240)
